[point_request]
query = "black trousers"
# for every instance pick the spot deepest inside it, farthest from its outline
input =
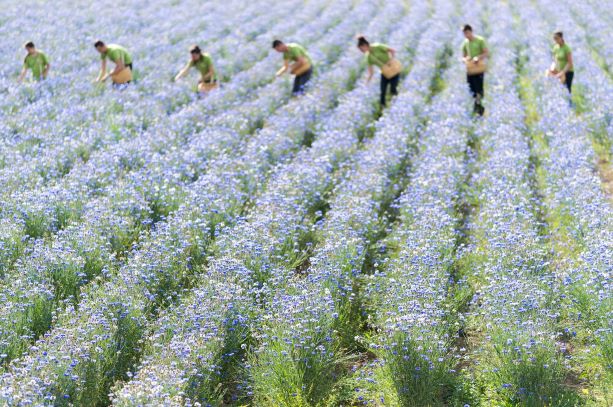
(475, 82)
(300, 81)
(569, 81)
(393, 82)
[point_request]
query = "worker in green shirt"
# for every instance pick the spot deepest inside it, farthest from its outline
(302, 65)
(204, 64)
(562, 65)
(36, 61)
(474, 51)
(116, 53)
(379, 55)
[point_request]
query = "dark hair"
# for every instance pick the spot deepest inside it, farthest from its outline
(559, 34)
(362, 41)
(29, 44)
(98, 44)
(276, 43)
(195, 50)
(467, 27)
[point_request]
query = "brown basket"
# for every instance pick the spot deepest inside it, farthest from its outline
(207, 86)
(124, 76)
(475, 68)
(299, 69)
(391, 68)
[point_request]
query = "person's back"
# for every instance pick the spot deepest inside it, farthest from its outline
(116, 52)
(296, 50)
(378, 54)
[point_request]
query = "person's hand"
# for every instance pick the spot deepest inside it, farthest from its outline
(560, 75)
(476, 60)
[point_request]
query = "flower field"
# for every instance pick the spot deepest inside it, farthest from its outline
(250, 248)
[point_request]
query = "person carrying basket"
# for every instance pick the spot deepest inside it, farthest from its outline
(475, 52)
(122, 74)
(562, 65)
(204, 64)
(302, 65)
(382, 56)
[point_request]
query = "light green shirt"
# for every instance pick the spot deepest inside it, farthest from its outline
(203, 65)
(378, 55)
(36, 63)
(294, 51)
(117, 53)
(560, 55)
(475, 47)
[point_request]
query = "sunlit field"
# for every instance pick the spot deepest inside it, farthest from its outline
(248, 247)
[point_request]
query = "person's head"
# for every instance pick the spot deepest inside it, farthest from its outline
(558, 37)
(29, 46)
(279, 46)
(100, 46)
(195, 52)
(468, 31)
(363, 44)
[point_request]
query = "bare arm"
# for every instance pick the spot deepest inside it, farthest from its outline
(102, 75)
(484, 54)
(182, 72)
(119, 66)
(46, 71)
(300, 61)
(371, 72)
(465, 55)
(283, 69)
(209, 75)
(22, 75)
(392, 52)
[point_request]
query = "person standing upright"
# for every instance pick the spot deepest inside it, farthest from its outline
(36, 61)
(475, 52)
(302, 65)
(562, 66)
(122, 59)
(382, 56)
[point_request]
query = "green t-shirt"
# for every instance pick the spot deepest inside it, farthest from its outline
(475, 47)
(117, 53)
(294, 51)
(378, 55)
(203, 65)
(560, 55)
(36, 63)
